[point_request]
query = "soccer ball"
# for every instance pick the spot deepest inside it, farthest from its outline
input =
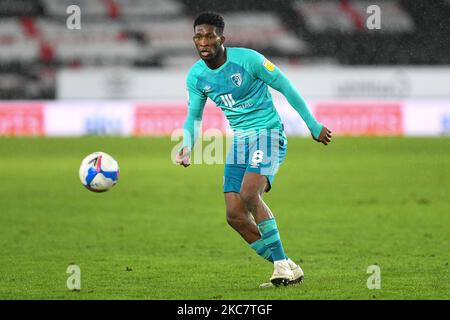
(99, 172)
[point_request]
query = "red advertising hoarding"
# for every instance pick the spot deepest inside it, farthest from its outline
(21, 119)
(154, 119)
(361, 118)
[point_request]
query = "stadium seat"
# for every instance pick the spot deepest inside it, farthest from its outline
(262, 31)
(149, 9)
(96, 41)
(89, 8)
(16, 46)
(20, 8)
(143, 33)
(324, 16)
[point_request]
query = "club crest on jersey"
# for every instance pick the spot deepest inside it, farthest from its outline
(237, 79)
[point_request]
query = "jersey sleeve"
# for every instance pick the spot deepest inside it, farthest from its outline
(295, 99)
(196, 104)
(266, 71)
(261, 68)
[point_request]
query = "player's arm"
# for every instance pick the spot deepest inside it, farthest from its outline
(191, 127)
(276, 79)
(319, 132)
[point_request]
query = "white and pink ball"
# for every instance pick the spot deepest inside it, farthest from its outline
(99, 172)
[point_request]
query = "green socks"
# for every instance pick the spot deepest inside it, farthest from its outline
(269, 246)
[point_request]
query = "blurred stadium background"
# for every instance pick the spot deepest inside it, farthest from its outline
(382, 200)
(135, 54)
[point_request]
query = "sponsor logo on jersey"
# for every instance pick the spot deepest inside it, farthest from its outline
(207, 89)
(237, 79)
(228, 100)
(268, 65)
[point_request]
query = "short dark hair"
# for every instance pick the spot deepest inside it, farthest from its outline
(211, 18)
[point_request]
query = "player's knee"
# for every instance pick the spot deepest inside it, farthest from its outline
(235, 220)
(250, 197)
(231, 220)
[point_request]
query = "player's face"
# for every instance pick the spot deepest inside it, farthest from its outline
(207, 41)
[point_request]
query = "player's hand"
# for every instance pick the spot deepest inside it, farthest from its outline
(183, 157)
(324, 136)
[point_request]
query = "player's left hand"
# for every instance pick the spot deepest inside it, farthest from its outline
(183, 157)
(324, 136)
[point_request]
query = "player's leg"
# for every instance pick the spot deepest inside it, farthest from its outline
(285, 270)
(239, 218)
(253, 186)
(252, 189)
(267, 151)
(296, 270)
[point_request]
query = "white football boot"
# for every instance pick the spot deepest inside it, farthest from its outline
(279, 275)
(297, 271)
(282, 273)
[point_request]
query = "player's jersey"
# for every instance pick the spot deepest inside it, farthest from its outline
(239, 87)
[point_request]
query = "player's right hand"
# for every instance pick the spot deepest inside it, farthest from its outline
(324, 136)
(183, 157)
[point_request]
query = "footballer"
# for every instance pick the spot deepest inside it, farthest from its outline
(237, 80)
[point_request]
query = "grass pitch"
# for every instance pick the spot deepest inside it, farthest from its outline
(161, 232)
